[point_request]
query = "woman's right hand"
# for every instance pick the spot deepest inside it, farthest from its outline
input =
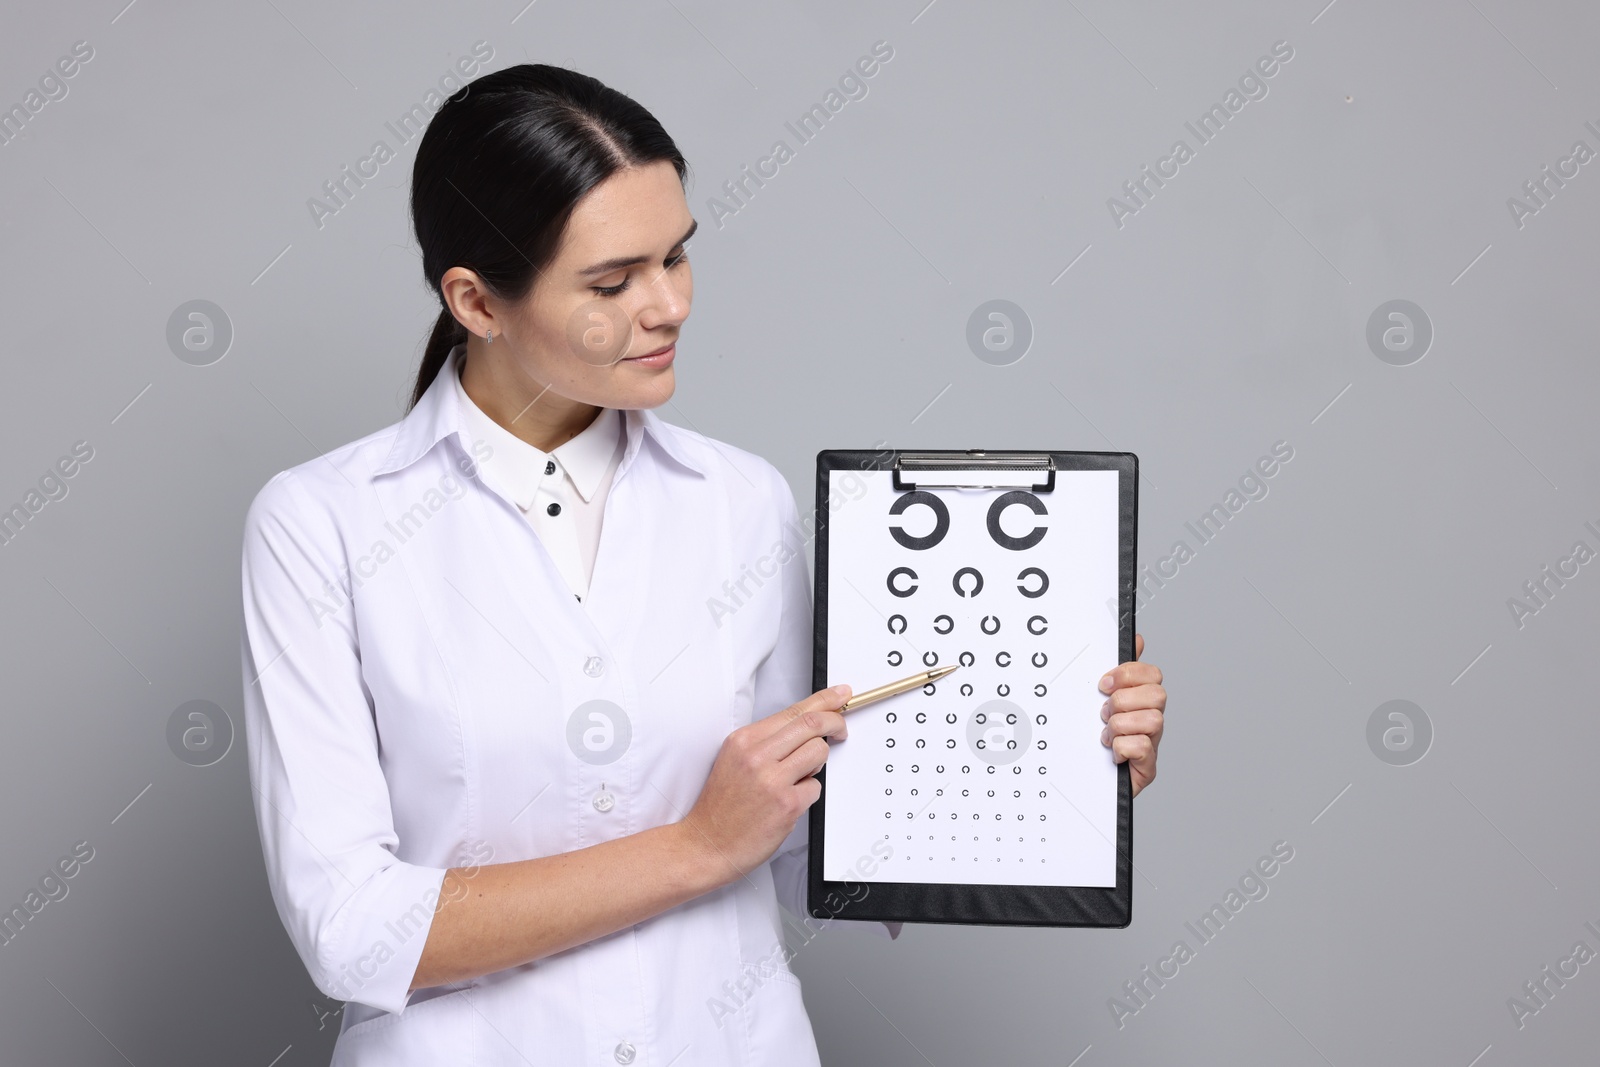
(761, 782)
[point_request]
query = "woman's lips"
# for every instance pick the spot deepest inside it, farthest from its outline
(659, 358)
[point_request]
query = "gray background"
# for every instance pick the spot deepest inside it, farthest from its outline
(1228, 314)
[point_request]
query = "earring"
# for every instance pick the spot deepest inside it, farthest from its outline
(488, 337)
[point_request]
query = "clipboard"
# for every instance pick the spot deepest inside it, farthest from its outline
(1077, 500)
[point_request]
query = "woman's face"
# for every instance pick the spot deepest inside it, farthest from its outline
(600, 324)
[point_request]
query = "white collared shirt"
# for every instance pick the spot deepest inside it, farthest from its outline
(423, 691)
(562, 492)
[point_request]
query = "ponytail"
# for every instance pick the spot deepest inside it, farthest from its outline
(447, 333)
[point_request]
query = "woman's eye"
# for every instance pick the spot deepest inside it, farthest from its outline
(613, 290)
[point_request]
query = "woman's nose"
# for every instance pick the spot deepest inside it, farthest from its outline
(668, 303)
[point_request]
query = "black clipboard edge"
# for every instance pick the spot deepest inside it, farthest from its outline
(1062, 906)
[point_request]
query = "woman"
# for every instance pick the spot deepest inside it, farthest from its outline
(511, 776)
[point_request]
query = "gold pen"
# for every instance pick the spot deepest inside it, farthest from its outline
(916, 681)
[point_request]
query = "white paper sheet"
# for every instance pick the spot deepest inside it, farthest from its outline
(996, 785)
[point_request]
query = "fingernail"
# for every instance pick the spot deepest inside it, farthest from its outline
(1105, 711)
(842, 689)
(1105, 684)
(1105, 736)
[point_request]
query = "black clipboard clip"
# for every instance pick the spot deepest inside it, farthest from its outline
(976, 459)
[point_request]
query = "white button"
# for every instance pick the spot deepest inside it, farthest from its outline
(594, 666)
(604, 801)
(624, 1053)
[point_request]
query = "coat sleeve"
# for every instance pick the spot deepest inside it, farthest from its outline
(784, 678)
(355, 912)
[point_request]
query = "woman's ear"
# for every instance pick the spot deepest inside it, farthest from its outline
(468, 299)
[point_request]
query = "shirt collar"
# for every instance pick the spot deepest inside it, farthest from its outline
(520, 468)
(587, 456)
(439, 414)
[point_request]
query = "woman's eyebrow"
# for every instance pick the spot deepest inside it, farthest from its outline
(628, 261)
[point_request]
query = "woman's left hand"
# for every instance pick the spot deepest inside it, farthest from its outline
(1134, 713)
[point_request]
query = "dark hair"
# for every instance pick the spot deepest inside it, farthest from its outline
(500, 169)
